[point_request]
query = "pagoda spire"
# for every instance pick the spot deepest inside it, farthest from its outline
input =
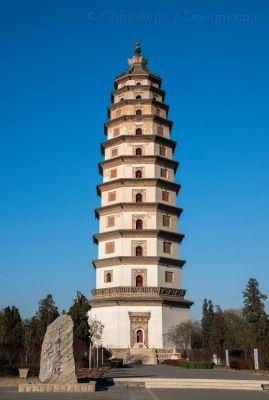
(137, 50)
(137, 63)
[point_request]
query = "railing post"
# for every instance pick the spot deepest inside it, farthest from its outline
(227, 358)
(90, 356)
(256, 359)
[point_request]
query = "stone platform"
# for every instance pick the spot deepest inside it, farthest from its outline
(57, 388)
(166, 383)
(145, 356)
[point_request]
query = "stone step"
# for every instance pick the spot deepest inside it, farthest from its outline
(168, 354)
(146, 356)
(160, 383)
(164, 349)
(164, 354)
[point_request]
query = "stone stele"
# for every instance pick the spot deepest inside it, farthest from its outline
(57, 364)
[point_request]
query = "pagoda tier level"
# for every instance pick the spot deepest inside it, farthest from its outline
(138, 295)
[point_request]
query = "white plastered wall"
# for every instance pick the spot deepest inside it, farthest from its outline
(172, 316)
(124, 220)
(123, 247)
(125, 195)
(129, 127)
(134, 82)
(116, 323)
(148, 149)
(122, 276)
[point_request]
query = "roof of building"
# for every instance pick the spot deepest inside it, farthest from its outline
(138, 65)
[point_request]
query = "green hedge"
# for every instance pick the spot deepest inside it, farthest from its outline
(116, 363)
(195, 364)
(189, 364)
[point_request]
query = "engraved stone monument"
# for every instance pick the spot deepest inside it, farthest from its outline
(57, 364)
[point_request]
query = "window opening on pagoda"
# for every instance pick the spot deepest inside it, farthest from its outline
(169, 277)
(167, 247)
(138, 174)
(138, 112)
(138, 131)
(108, 277)
(138, 97)
(139, 281)
(138, 251)
(138, 151)
(138, 198)
(122, 99)
(139, 224)
(138, 83)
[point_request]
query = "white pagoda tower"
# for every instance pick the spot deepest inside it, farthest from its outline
(138, 295)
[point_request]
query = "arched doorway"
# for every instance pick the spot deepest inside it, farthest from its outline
(138, 251)
(139, 224)
(138, 198)
(139, 281)
(138, 151)
(138, 174)
(138, 131)
(139, 333)
(139, 336)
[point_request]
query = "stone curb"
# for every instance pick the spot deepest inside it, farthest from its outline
(48, 388)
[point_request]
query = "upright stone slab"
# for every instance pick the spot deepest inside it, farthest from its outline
(57, 364)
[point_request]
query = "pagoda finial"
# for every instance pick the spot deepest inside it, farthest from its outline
(137, 51)
(137, 63)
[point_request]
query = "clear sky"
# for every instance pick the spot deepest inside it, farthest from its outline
(58, 62)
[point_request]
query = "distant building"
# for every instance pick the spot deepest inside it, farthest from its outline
(138, 271)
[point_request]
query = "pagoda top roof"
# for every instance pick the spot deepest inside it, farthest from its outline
(137, 65)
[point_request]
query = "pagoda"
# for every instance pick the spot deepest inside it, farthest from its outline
(138, 295)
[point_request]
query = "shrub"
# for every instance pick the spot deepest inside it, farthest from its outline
(195, 364)
(190, 364)
(173, 363)
(116, 363)
(235, 365)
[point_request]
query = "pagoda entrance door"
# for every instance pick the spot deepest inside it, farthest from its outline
(139, 328)
(139, 336)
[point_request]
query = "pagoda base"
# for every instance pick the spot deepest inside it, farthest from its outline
(135, 355)
(138, 324)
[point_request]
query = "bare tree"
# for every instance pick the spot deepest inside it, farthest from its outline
(96, 329)
(185, 335)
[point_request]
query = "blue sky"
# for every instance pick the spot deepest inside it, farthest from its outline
(58, 62)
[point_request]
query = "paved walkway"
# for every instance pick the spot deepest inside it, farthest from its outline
(160, 371)
(163, 371)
